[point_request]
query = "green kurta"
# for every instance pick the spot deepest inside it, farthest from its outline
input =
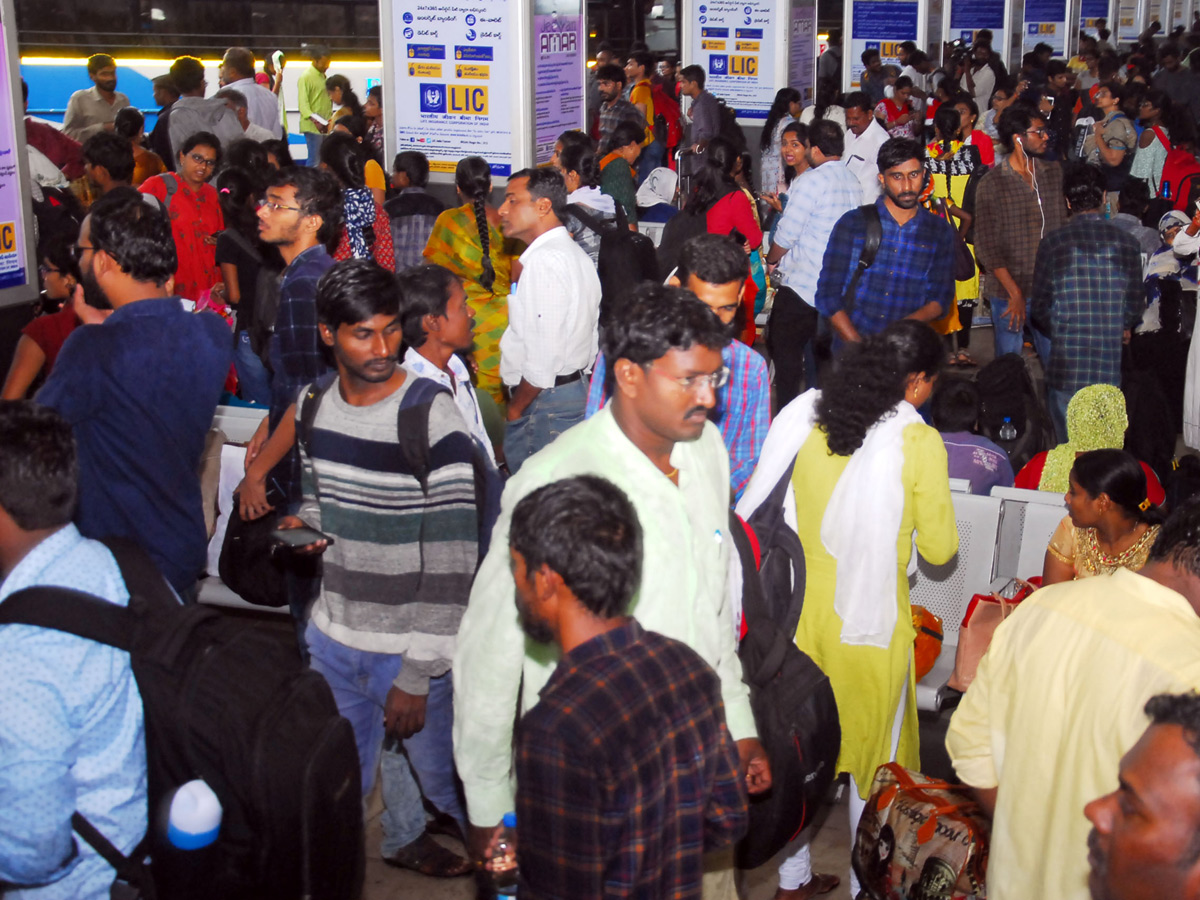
(867, 681)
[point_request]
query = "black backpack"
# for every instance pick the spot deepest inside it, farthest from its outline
(792, 699)
(680, 228)
(228, 704)
(253, 565)
(1006, 391)
(728, 126)
(627, 258)
(412, 429)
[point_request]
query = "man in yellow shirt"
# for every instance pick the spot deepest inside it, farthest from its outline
(638, 67)
(315, 105)
(1059, 699)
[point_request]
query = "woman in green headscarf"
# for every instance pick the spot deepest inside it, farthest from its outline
(1096, 420)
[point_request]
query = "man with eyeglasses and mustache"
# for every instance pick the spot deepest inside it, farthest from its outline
(195, 213)
(654, 442)
(912, 275)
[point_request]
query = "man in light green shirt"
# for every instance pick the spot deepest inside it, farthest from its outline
(655, 443)
(314, 102)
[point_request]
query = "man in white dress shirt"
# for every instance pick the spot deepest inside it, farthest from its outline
(262, 106)
(551, 340)
(864, 137)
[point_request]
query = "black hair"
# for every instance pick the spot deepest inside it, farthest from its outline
(624, 134)
(1116, 89)
(1169, 50)
(39, 470)
(1182, 710)
(955, 405)
(1159, 100)
(575, 137)
(424, 291)
(545, 183)
(643, 58)
(251, 157)
(98, 61)
(129, 123)
(415, 165)
(581, 159)
(869, 378)
(917, 57)
(784, 98)
(969, 102)
(317, 194)
(187, 73)
(827, 137)
(355, 290)
(135, 234)
(234, 96)
(827, 96)
(1056, 67)
(586, 531)
(1014, 122)
(858, 100)
(713, 258)
(236, 188)
(343, 156)
(1083, 186)
(356, 127)
(947, 121)
(652, 320)
(241, 60)
(715, 178)
(611, 72)
(1118, 474)
(694, 73)
(278, 147)
(111, 151)
(375, 92)
(473, 178)
(167, 83)
(895, 151)
(201, 139)
(58, 250)
(1134, 197)
(349, 98)
(901, 83)
(868, 55)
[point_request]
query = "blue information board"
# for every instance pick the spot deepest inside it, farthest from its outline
(973, 15)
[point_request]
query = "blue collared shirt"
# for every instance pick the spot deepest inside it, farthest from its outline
(140, 392)
(71, 734)
(816, 201)
(914, 266)
(297, 355)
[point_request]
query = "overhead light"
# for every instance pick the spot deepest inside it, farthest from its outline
(157, 15)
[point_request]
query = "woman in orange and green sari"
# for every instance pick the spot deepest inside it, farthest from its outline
(467, 240)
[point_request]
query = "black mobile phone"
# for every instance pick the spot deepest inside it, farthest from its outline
(299, 537)
(737, 236)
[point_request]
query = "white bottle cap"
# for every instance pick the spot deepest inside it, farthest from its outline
(195, 816)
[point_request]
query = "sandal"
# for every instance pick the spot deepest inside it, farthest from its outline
(427, 856)
(965, 359)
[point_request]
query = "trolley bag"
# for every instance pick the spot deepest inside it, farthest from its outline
(920, 838)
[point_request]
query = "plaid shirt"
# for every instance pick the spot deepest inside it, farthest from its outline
(743, 410)
(613, 115)
(914, 266)
(1087, 291)
(412, 214)
(1011, 219)
(626, 773)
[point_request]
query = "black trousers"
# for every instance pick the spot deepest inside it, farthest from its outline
(790, 333)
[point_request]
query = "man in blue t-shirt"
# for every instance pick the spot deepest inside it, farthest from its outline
(955, 411)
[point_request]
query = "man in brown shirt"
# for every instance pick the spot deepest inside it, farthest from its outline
(93, 109)
(1017, 204)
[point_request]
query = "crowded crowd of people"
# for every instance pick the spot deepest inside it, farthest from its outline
(522, 482)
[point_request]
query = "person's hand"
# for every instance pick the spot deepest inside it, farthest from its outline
(403, 713)
(84, 311)
(1098, 129)
(287, 523)
(753, 764)
(1126, 336)
(772, 201)
(1015, 312)
(481, 841)
(257, 442)
(252, 499)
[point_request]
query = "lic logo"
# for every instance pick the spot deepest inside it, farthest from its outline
(408, 33)
(433, 98)
(718, 65)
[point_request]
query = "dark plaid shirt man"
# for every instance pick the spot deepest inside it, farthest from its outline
(612, 115)
(626, 773)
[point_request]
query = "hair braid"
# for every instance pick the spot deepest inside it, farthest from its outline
(488, 278)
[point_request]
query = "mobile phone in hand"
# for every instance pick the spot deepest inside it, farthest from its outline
(299, 537)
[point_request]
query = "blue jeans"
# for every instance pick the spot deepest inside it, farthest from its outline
(313, 142)
(551, 413)
(360, 681)
(1007, 340)
(253, 380)
(653, 156)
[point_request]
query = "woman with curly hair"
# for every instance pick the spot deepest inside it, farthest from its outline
(863, 474)
(467, 240)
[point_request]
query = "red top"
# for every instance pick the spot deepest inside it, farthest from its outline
(730, 212)
(195, 216)
(1031, 475)
(51, 332)
(383, 251)
(987, 150)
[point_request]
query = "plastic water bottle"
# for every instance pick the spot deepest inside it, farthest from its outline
(195, 818)
(1008, 431)
(503, 864)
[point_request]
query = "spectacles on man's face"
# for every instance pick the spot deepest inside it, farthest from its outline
(274, 207)
(207, 162)
(1038, 132)
(716, 380)
(78, 250)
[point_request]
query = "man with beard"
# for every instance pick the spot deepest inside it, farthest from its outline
(912, 276)
(1016, 205)
(1146, 833)
(614, 109)
(140, 390)
(713, 267)
(626, 771)
(94, 109)
(1059, 698)
(399, 549)
(655, 443)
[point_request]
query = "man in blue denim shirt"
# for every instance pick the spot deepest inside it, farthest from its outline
(70, 713)
(140, 390)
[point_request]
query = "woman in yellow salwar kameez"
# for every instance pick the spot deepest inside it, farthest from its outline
(868, 474)
(467, 240)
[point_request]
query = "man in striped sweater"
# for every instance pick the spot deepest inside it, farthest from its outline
(399, 553)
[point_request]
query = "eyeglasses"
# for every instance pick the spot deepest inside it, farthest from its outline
(1038, 132)
(78, 250)
(716, 380)
(44, 270)
(203, 160)
(274, 207)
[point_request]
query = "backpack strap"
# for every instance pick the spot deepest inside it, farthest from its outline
(588, 219)
(244, 242)
(412, 426)
(309, 404)
(74, 612)
(1162, 136)
(866, 256)
(129, 868)
(171, 180)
